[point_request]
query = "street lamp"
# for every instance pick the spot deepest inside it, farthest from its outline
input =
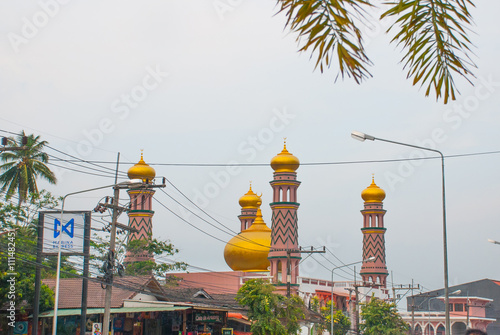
(361, 137)
(126, 184)
(371, 259)
(493, 241)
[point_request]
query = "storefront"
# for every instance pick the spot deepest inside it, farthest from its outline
(142, 320)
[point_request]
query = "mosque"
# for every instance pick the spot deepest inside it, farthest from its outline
(273, 253)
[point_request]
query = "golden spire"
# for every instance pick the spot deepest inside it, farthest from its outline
(250, 199)
(141, 170)
(373, 193)
(285, 161)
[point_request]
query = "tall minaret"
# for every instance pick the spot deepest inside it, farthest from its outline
(374, 273)
(140, 213)
(284, 236)
(249, 203)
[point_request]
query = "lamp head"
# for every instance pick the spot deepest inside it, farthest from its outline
(131, 183)
(371, 259)
(357, 135)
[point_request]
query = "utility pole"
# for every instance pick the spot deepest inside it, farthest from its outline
(356, 315)
(289, 265)
(288, 273)
(412, 310)
(393, 289)
(407, 288)
(111, 254)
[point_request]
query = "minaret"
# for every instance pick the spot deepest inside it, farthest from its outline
(140, 213)
(374, 273)
(249, 204)
(284, 255)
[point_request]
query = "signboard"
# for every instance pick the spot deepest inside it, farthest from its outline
(70, 232)
(227, 331)
(208, 317)
(97, 328)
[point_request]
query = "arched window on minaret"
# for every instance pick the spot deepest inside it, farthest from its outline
(143, 201)
(279, 271)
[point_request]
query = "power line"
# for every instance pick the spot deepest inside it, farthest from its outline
(305, 163)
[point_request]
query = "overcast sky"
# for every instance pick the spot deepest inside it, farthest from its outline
(221, 81)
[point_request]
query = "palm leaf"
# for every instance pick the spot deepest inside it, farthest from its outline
(433, 35)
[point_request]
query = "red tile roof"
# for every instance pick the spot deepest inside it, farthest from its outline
(70, 291)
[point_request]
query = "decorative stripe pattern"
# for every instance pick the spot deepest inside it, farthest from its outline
(284, 229)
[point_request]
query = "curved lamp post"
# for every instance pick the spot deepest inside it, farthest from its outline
(371, 259)
(429, 308)
(361, 137)
(125, 184)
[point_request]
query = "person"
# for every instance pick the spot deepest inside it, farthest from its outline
(475, 332)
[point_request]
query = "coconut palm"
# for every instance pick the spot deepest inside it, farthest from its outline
(24, 167)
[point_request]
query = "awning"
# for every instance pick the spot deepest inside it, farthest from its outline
(90, 311)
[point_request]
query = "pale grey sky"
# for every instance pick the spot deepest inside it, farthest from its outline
(192, 84)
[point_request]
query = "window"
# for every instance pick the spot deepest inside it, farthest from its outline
(459, 307)
(451, 307)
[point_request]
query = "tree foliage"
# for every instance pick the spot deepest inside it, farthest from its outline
(158, 249)
(18, 229)
(432, 33)
(22, 167)
(341, 323)
(271, 313)
(380, 317)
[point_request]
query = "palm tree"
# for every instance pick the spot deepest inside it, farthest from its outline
(24, 167)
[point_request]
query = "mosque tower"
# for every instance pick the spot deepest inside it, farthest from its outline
(284, 237)
(248, 250)
(140, 213)
(249, 203)
(374, 273)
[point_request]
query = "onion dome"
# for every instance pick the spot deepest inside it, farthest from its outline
(248, 250)
(141, 170)
(373, 193)
(250, 200)
(285, 161)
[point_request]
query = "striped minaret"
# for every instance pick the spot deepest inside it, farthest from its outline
(141, 212)
(284, 254)
(374, 273)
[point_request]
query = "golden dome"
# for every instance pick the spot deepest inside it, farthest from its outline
(373, 193)
(141, 170)
(285, 161)
(250, 200)
(248, 250)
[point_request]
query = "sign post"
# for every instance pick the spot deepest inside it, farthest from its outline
(74, 235)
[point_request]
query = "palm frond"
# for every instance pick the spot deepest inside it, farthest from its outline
(330, 31)
(433, 34)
